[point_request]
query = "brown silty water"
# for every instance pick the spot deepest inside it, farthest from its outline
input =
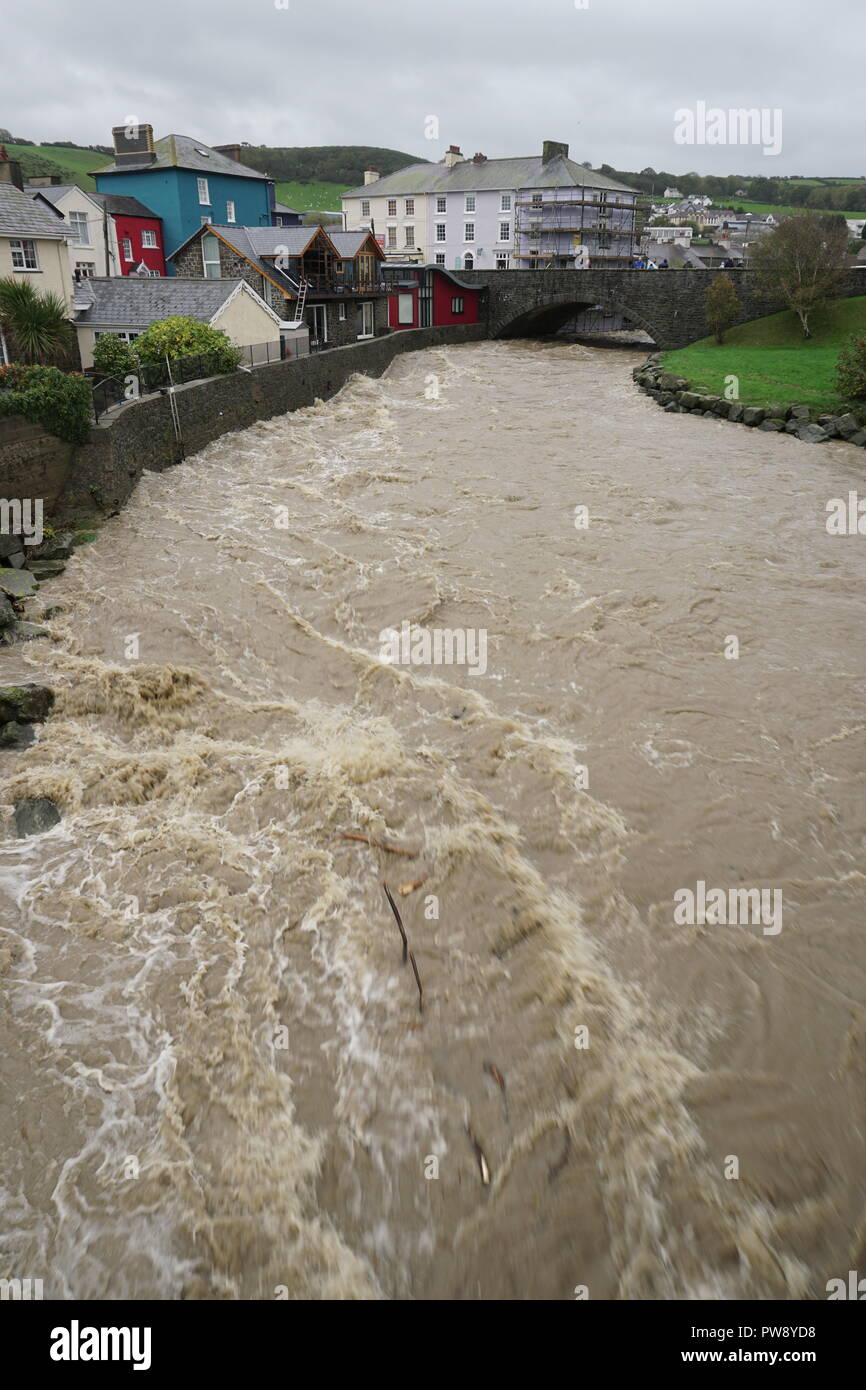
(218, 1080)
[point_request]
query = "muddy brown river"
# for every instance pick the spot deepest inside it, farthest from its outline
(218, 1079)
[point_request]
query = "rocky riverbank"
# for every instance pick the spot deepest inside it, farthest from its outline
(673, 394)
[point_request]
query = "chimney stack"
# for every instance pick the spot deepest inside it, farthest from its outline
(133, 145)
(479, 159)
(230, 151)
(453, 156)
(552, 148)
(371, 175)
(10, 170)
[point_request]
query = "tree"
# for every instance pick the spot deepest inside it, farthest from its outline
(112, 356)
(36, 323)
(180, 336)
(851, 370)
(722, 306)
(802, 262)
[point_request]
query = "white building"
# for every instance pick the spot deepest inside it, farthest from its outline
(489, 214)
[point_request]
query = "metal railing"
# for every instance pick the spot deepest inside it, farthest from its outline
(158, 376)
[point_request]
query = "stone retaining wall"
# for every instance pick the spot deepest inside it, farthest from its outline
(139, 437)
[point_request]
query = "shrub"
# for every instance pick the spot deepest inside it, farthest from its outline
(58, 400)
(722, 306)
(112, 356)
(851, 369)
(179, 336)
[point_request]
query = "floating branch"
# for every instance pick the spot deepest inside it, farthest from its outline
(418, 983)
(479, 1154)
(500, 1081)
(379, 844)
(399, 919)
(404, 888)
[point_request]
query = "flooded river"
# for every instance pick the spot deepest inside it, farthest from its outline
(218, 1080)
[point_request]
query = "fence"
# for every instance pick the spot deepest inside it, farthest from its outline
(157, 376)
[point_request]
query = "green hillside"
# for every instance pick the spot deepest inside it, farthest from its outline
(310, 178)
(326, 164)
(773, 360)
(71, 164)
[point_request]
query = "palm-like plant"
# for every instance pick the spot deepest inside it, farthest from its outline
(37, 323)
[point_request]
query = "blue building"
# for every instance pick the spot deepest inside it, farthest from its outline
(186, 183)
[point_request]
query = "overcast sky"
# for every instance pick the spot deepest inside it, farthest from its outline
(499, 75)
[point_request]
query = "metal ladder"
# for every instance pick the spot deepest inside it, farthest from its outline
(301, 300)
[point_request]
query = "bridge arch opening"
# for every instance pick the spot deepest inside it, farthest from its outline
(578, 318)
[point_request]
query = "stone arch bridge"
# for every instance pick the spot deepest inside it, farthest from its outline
(666, 304)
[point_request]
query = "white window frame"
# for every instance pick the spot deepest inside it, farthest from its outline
(440, 232)
(410, 207)
(230, 210)
(406, 309)
(505, 235)
(505, 202)
(82, 233)
(367, 316)
(469, 232)
(25, 249)
(319, 314)
(391, 243)
(126, 335)
(409, 237)
(206, 221)
(458, 300)
(365, 207)
(441, 205)
(148, 239)
(202, 186)
(85, 269)
(341, 313)
(392, 207)
(126, 244)
(440, 257)
(206, 261)
(469, 203)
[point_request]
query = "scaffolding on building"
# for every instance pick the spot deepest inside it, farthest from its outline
(552, 226)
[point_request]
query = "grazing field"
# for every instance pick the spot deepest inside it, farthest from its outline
(772, 359)
(311, 197)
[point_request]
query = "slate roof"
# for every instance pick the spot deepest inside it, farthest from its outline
(53, 191)
(125, 301)
(23, 215)
(260, 245)
(182, 152)
(281, 207)
(115, 202)
(349, 243)
(122, 205)
(491, 174)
